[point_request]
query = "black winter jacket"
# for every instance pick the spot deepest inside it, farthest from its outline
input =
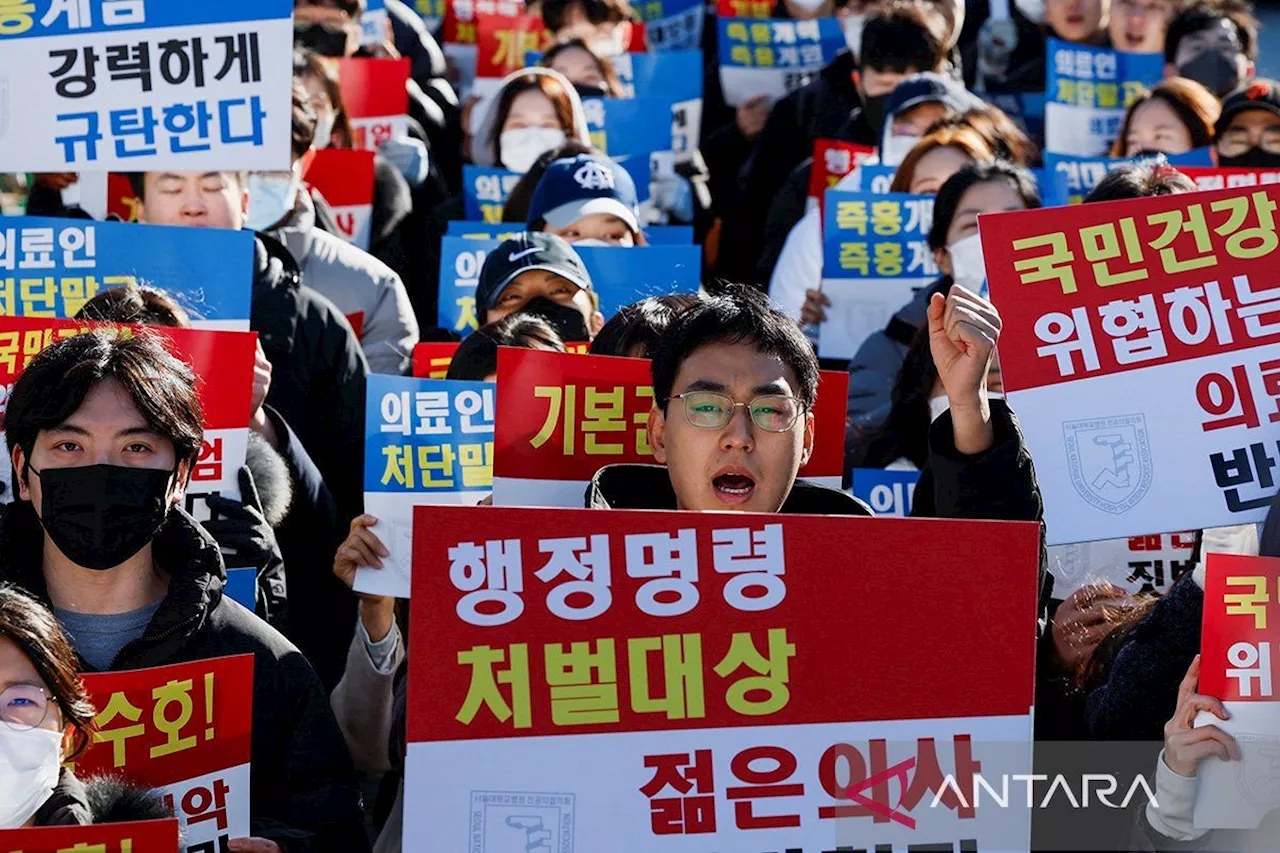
(304, 794)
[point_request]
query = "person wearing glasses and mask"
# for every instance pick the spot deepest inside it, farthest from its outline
(1248, 131)
(733, 351)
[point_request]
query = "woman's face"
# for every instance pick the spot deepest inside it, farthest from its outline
(1076, 20)
(579, 66)
(986, 197)
(25, 701)
(1156, 127)
(531, 109)
(318, 98)
(933, 169)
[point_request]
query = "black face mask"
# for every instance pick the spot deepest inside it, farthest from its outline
(567, 320)
(873, 109)
(1253, 158)
(322, 40)
(101, 515)
(1215, 70)
(586, 90)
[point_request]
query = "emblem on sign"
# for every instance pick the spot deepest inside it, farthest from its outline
(1110, 461)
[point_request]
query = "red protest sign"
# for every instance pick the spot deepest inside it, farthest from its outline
(377, 100)
(345, 178)
(832, 160)
(1240, 658)
(1215, 178)
(122, 201)
(151, 836)
(461, 17)
(589, 657)
(504, 40)
(744, 8)
(431, 360)
(562, 417)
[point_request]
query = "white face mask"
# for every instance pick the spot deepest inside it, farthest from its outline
(271, 198)
(852, 25)
(324, 130)
(29, 764)
(808, 5)
(1032, 10)
(609, 47)
(521, 147)
(968, 269)
(895, 148)
(593, 241)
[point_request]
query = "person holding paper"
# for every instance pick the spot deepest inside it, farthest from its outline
(589, 200)
(1176, 116)
(103, 433)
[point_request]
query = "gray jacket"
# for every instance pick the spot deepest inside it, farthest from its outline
(356, 282)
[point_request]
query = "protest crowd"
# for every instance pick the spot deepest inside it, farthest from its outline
(371, 383)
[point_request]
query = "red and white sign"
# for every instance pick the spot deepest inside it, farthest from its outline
(832, 160)
(1141, 351)
(377, 101)
(345, 178)
(504, 40)
(562, 417)
(222, 361)
(1240, 664)
(1151, 563)
(1214, 178)
(715, 681)
(184, 730)
(150, 836)
(431, 360)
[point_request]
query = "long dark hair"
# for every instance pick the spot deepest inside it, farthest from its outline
(30, 626)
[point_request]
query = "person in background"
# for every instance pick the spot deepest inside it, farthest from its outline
(637, 329)
(392, 222)
(1248, 131)
(1007, 140)
(589, 200)
(953, 237)
(516, 208)
(1215, 43)
(1079, 21)
(1176, 116)
(357, 282)
(591, 74)
(916, 104)
(605, 25)
(1138, 26)
(844, 101)
(796, 279)
(476, 358)
(540, 274)
(1140, 180)
(103, 433)
(533, 111)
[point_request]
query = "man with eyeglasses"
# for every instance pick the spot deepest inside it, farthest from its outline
(1138, 26)
(1248, 131)
(735, 352)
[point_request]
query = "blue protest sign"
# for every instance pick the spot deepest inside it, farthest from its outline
(672, 24)
(887, 492)
(1088, 91)
(50, 267)
(656, 235)
(629, 126)
(773, 57)
(1084, 173)
(672, 75)
(485, 190)
(242, 587)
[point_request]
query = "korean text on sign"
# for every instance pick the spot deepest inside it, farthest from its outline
(1156, 325)
(698, 653)
(1088, 90)
(139, 85)
(184, 730)
(150, 836)
(773, 57)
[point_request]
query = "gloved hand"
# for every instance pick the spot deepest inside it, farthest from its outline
(410, 156)
(247, 541)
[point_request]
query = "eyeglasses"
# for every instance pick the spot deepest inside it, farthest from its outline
(23, 707)
(710, 410)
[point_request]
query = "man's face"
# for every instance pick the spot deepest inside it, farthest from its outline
(1221, 37)
(534, 283)
(1250, 129)
(1139, 25)
(1076, 20)
(107, 429)
(739, 466)
(194, 199)
(874, 83)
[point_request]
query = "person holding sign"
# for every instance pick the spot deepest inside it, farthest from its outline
(1078, 21)
(540, 274)
(591, 74)
(603, 24)
(1176, 116)
(103, 433)
(1138, 26)
(588, 200)
(1215, 43)
(534, 110)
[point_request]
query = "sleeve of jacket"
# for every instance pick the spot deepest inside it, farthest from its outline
(362, 702)
(799, 265)
(391, 329)
(320, 799)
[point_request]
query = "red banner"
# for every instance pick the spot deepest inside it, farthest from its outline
(122, 201)
(504, 41)
(460, 17)
(374, 87)
(744, 9)
(1214, 178)
(151, 836)
(832, 160)
(431, 360)
(343, 176)
(1240, 657)
(223, 361)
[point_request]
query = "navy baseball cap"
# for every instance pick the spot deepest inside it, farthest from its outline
(528, 251)
(580, 186)
(929, 87)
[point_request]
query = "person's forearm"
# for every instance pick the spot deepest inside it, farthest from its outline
(261, 424)
(378, 616)
(971, 425)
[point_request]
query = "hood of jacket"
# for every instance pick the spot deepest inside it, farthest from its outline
(68, 805)
(631, 486)
(182, 548)
(483, 150)
(297, 231)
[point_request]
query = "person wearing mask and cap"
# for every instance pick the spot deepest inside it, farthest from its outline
(1215, 43)
(532, 111)
(605, 25)
(588, 200)
(540, 274)
(916, 103)
(1248, 131)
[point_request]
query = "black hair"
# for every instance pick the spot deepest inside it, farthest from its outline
(736, 314)
(641, 325)
(138, 181)
(898, 37)
(303, 121)
(477, 356)
(54, 385)
(139, 305)
(1140, 180)
(948, 198)
(516, 207)
(1205, 14)
(596, 11)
